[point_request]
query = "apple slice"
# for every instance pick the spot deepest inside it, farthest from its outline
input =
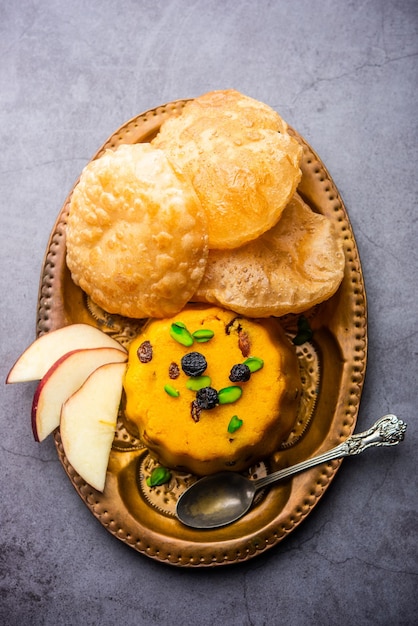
(62, 380)
(44, 351)
(88, 423)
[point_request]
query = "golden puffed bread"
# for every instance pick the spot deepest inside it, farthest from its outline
(136, 233)
(292, 267)
(242, 162)
(234, 105)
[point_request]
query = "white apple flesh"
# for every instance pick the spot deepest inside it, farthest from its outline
(61, 380)
(88, 423)
(47, 349)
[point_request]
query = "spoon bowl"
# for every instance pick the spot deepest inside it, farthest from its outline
(220, 499)
(216, 500)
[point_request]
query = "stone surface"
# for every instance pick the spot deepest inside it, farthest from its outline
(345, 74)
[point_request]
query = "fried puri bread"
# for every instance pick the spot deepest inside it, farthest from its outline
(136, 233)
(292, 267)
(242, 162)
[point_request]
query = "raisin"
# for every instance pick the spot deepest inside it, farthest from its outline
(244, 343)
(144, 352)
(195, 411)
(193, 364)
(240, 373)
(173, 371)
(207, 398)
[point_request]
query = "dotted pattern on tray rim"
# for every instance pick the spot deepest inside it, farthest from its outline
(353, 269)
(164, 498)
(263, 541)
(43, 323)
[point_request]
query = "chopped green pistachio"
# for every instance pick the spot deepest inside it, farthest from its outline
(227, 395)
(304, 331)
(234, 424)
(254, 363)
(179, 332)
(202, 335)
(159, 476)
(194, 383)
(172, 391)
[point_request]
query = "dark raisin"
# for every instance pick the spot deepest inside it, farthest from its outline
(195, 411)
(193, 364)
(144, 352)
(207, 398)
(240, 373)
(173, 371)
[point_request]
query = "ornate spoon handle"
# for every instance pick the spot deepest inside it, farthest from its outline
(387, 431)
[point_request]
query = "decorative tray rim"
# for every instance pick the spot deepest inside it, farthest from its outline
(200, 548)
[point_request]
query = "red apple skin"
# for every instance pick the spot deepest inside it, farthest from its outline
(62, 379)
(36, 360)
(38, 390)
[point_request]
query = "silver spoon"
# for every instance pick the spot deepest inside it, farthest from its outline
(223, 498)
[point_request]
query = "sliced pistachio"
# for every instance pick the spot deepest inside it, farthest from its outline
(254, 363)
(172, 391)
(227, 395)
(179, 332)
(202, 335)
(194, 383)
(234, 424)
(159, 476)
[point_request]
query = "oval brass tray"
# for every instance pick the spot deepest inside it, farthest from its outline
(333, 369)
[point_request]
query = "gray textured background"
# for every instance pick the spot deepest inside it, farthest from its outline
(345, 74)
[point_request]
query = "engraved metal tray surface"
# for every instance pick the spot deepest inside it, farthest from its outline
(332, 365)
